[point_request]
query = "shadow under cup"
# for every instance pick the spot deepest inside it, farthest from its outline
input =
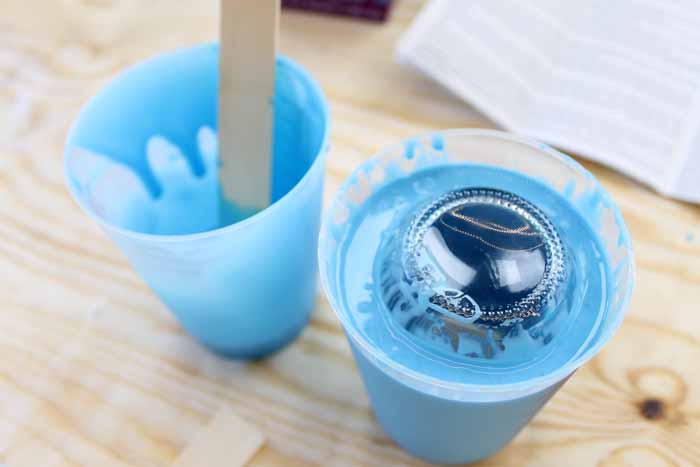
(454, 421)
(244, 289)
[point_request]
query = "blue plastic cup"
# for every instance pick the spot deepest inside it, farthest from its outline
(243, 290)
(448, 422)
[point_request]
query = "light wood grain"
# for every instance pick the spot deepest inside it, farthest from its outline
(95, 371)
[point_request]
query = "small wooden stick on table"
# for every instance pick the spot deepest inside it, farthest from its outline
(228, 441)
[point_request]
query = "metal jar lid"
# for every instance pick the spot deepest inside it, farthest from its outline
(471, 263)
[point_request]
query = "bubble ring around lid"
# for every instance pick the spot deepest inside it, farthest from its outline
(527, 306)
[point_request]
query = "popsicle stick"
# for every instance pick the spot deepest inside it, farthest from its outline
(246, 89)
(228, 441)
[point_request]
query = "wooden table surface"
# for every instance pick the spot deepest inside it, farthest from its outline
(94, 371)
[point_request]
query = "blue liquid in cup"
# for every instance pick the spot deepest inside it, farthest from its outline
(141, 159)
(471, 291)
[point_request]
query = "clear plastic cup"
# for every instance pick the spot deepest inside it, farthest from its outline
(245, 289)
(457, 422)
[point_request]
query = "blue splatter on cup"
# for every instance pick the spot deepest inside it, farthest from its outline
(245, 289)
(457, 421)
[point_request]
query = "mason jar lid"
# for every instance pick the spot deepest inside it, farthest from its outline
(472, 262)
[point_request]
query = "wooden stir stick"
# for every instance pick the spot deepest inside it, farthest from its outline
(247, 54)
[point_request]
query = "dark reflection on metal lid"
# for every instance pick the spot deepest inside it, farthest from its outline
(484, 254)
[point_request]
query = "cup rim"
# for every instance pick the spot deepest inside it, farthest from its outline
(420, 380)
(319, 157)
